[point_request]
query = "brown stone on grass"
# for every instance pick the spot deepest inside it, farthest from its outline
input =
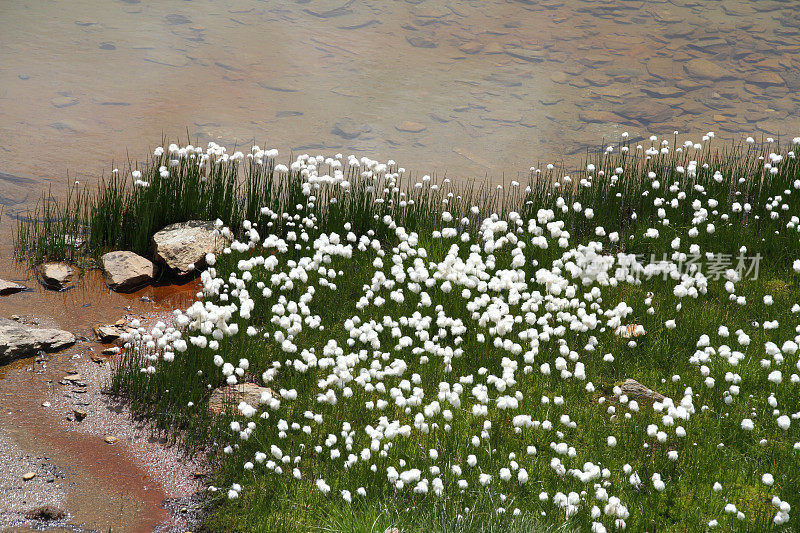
(234, 394)
(183, 246)
(636, 391)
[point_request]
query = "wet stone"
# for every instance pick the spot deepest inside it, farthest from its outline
(9, 287)
(125, 271)
(55, 276)
(765, 79)
(17, 340)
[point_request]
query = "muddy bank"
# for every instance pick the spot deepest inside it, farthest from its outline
(58, 429)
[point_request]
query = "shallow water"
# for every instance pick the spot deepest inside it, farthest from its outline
(470, 88)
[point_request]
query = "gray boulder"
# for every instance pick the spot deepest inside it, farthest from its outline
(56, 276)
(18, 340)
(183, 246)
(125, 271)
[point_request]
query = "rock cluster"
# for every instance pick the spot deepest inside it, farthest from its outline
(180, 247)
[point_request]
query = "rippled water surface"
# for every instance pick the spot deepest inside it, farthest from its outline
(471, 88)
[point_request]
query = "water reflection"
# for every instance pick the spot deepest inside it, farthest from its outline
(466, 87)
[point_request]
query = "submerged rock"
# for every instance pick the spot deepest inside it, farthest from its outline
(234, 394)
(410, 127)
(17, 340)
(56, 276)
(183, 246)
(125, 271)
(9, 287)
(706, 69)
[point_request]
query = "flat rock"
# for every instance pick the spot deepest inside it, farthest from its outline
(183, 246)
(125, 271)
(662, 67)
(9, 287)
(234, 394)
(108, 333)
(17, 340)
(706, 69)
(56, 276)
